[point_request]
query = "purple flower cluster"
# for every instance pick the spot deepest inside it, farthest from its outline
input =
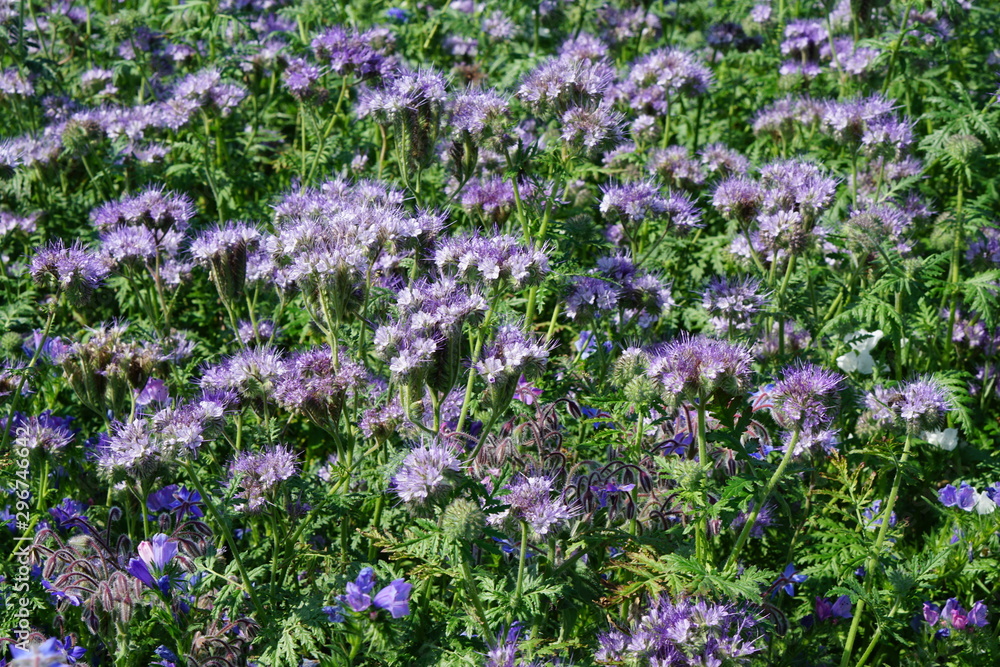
(140, 228)
(326, 241)
(394, 598)
(510, 355)
(252, 373)
(918, 405)
(572, 79)
(803, 40)
(869, 122)
(618, 285)
(72, 270)
(659, 78)
(493, 261)
(805, 401)
(731, 304)
(691, 368)
(785, 202)
(954, 617)
(224, 251)
(635, 202)
(313, 385)
(366, 55)
(783, 117)
(479, 114)
(423, 342)
(690, 632)
(142, 447)
(424, 472)
(257, 475)
(44, 432)
(533, 500)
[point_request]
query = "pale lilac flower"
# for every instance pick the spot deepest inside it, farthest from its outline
(424, 472)
(690, 368)
(73, 270)
(689, 632)
(257, 476)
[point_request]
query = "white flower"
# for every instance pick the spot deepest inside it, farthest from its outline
(859, 359)
(984, 504)
(946, 439)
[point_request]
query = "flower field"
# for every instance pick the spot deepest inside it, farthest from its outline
(499, 333)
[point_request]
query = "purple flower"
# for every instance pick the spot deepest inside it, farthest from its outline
(357, 599)
(688, 632)
(526, 392)
(73, 270)
(531, 500)
(154, 556)
(634, 202)
(658, 78)
(805, 400)
(155, 391)
(873, 516)
(45, 432)
(177, 499)
(732, 303)
(694, 367)
(68, 511)
(675, 168)
(258, 474)
(954, 617)
(564, 81)
(479, 114)
(395, 598)
(827, 610)
(423, 472)
(493, 260)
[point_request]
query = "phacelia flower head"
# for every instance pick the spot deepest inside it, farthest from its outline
(688, 632)
(659, 78)
(512, 354)
(491, 260)
(805, 400)
(916, 406)
(72, 270)
(533, 499)
(425, 472)
(732, 303)
(691, 368)
(258, 474)
(224, 251)
(45, 432)
(635, 202)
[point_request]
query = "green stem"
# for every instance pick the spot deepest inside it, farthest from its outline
(701, 536)
(759, 504)
(15, 400)
(519, 589)
(470, 586)
(876, 549)
(224, 527)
